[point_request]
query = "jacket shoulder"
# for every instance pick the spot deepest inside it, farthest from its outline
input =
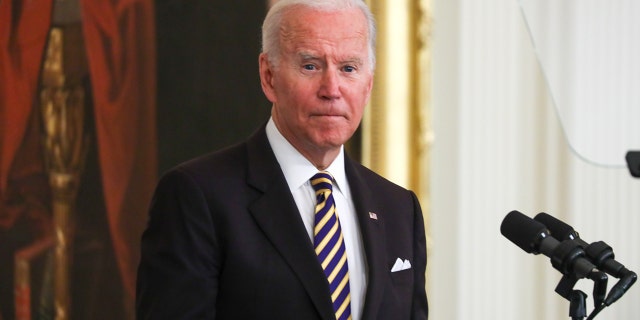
(228, 161)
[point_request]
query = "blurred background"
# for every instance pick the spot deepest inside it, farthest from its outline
(481, 107)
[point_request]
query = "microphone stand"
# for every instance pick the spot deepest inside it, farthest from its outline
(577, 298)
(616, 292)
(577, 305)
(563, 259)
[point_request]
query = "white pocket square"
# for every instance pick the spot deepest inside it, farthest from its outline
(401, 265)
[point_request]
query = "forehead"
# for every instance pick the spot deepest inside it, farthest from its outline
(304, 27)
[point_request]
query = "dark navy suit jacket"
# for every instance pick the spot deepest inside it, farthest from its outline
(225, 241)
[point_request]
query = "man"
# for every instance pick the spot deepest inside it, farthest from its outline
(285, 225)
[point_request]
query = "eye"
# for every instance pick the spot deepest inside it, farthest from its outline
(349, 69)
(309, 67)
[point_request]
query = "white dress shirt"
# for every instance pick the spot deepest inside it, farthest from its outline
(297, 171)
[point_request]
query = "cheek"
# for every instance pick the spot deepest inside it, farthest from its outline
(358, 101)
(298, 97)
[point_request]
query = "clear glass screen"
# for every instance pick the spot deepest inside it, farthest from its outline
(589, 53)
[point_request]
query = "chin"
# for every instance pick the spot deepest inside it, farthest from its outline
(330, 138)
(329, 143)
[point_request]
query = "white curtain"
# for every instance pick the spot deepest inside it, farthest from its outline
(500, 146)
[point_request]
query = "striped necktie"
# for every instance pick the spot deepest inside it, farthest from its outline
(329, 245)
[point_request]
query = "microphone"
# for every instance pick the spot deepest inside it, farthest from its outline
(533, 237)
(599, 253)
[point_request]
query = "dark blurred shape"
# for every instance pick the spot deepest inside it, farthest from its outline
(633, 162)
(209, 93)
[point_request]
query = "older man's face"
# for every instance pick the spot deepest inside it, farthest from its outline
(323, 78)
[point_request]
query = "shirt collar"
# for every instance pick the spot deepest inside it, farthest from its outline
(296, 168)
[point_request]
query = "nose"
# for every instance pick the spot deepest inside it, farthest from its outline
(330, 85)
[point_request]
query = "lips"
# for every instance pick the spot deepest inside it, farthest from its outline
(328, 117)
(328, 114)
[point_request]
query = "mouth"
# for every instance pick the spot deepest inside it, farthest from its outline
(327, 115)
(327, 119)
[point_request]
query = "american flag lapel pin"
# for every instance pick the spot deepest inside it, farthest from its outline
(373, 216)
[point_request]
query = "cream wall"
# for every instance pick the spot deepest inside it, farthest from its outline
(498, 146)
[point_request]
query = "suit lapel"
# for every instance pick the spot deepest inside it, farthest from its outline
(277, 215)
(373, 238)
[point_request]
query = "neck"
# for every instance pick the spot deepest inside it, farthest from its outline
(321, 160)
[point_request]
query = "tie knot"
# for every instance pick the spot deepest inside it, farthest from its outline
(322, 180)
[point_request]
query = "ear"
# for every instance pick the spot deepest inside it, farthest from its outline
(369, 87)
(266, 77)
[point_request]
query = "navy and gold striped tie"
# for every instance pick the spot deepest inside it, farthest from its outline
(329, 245)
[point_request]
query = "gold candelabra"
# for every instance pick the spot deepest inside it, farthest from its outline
(62, 105)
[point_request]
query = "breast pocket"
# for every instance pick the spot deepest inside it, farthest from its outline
(403, 277)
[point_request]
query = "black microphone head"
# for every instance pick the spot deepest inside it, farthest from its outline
(558, 228)
(523, 231)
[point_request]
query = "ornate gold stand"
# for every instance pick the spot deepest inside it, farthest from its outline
(65, 148)
(22, 282)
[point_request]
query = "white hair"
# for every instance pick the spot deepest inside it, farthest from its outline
(273, 22)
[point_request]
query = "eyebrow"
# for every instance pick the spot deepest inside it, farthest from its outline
(306, 56)
(354, 60)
